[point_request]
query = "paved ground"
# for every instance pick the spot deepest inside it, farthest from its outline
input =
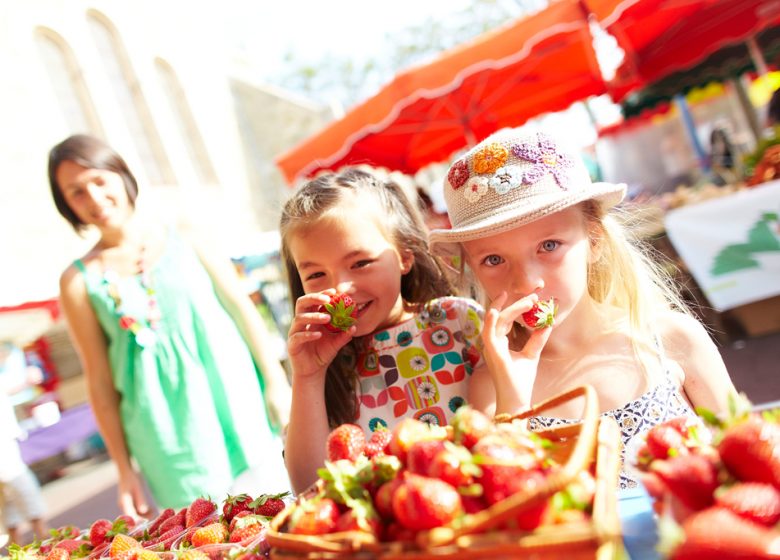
(87, 491)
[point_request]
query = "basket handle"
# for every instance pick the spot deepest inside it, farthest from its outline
(580, 457)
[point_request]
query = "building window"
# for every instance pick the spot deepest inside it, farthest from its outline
(185, 122)
(130, 99)
(67, 83)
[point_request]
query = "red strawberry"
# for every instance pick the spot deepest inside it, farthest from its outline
(198, 510)
(665, 440)
(234, 505)
(314, 517)
(409, 431)
(343, 313)
(121, 544)
(383, 500)
(350, 520)
(98, 530)
(67, 532)
(58, 554)
(470, 425)
(165, 540)
(72, 545)
(124, 524)
(718, 533)
(500, 481)
(691, 478)
(541, 315)
(755, 501)
(378, 443)
(268, 505)
(163, 515)
(346, 442)
(421, 454)
(213, 533)
(751, 451)
(240, 515)
(424, 503)
(177, 520)
(247, 529)
(454, 465)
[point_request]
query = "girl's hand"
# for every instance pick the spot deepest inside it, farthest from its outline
(310, 347)
(513, 372)
(132, 501)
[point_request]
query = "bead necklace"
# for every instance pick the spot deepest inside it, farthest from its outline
(143, 330)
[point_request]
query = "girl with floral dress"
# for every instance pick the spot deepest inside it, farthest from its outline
(413, 348)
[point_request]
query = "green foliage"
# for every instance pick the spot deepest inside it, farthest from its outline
(348, 80)
(751, 160)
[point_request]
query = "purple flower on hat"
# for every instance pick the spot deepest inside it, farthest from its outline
(459, 174)
(545, 158)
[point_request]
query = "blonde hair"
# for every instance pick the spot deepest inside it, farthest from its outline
(627, 275)
(401, 221)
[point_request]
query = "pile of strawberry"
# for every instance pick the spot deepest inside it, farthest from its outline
(718, 487)
(418, 477)
(240, 531)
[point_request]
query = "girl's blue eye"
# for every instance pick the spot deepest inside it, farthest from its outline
(549, 245)
(492, 260)
(361, 264)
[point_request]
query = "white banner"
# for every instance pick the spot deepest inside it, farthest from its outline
(731, 244)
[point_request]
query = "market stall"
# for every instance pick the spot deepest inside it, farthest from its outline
(731, 246)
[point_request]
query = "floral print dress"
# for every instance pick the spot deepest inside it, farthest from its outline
(420, 368)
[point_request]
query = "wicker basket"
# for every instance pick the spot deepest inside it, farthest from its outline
(577, 446)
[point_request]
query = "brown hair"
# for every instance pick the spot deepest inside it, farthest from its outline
(92, 153)
(402, 223)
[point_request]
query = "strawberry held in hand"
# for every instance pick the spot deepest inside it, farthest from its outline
(343, 313)
(541, 315)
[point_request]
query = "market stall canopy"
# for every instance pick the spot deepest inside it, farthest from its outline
(539, 64)
(661, 37)
(727, 63)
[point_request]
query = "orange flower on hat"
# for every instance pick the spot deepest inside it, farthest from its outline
(490, 158)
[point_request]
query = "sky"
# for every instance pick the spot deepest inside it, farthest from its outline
(267, 30)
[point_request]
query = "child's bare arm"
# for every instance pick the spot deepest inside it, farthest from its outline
(707, 382)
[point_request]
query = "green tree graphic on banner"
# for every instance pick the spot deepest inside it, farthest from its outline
(761, 239)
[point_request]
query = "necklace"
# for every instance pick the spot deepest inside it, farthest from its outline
(143, 330)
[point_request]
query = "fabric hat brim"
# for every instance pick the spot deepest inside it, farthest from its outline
(441, 240)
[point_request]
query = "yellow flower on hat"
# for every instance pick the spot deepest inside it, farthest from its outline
(490, 158)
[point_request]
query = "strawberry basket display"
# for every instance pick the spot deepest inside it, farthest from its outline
(715, 482)
(475, 489)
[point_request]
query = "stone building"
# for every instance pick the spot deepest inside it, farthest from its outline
(158, 84)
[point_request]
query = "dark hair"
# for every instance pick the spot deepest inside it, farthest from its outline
(773, 111)
(92, 153)
(403, 223)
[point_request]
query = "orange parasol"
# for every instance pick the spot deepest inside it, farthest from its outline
(538, 64)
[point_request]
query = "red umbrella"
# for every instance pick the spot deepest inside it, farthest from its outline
(541, 63)
(661, 37)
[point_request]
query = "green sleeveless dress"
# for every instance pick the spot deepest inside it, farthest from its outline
(192, 404)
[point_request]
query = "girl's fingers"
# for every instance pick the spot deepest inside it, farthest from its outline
(499, 302)
(535, 344)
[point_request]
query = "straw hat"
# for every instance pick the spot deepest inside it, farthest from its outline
(511, 178)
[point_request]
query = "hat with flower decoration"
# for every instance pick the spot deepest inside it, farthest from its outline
(511, 178)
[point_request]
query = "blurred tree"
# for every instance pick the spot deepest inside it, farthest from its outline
(344, 81)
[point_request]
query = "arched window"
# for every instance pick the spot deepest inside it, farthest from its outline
(130, 99)
(67, 83)
(185, 122)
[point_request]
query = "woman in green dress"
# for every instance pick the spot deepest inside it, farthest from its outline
(176, 358)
